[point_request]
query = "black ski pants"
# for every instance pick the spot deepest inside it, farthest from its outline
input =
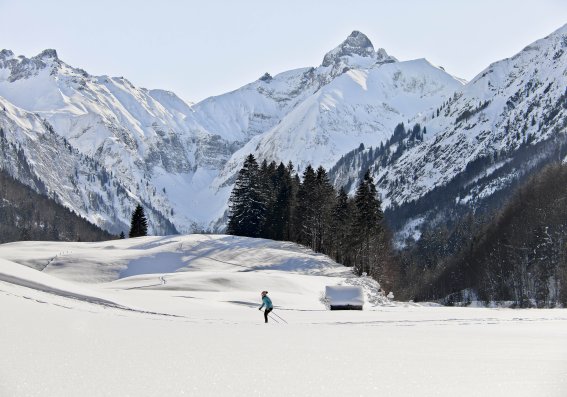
(266, 312)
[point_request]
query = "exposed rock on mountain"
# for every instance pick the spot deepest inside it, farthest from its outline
(180, 159)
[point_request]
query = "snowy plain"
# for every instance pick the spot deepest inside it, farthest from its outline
(178, 316)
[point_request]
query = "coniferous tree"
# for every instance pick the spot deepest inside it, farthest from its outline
(399, 133)
(517, 254)
(416, 132)
(272, 202)
(139, 223)
(367, 221)
(280, 208)
(248, 204)
(324, 202)
(368, 206)
(269, 185)
(292, 233)
(122, 236)
(340, 226)
(305, 215)
(27, 215)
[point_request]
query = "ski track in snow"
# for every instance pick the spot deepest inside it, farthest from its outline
(371, 322)
(71, 296)
(161, 279)
(197, 330)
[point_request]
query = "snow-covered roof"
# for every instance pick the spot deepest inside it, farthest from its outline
(344, 295)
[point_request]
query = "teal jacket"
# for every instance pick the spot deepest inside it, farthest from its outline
(267, 302)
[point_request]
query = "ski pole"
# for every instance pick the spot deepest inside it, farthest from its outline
(279, 317)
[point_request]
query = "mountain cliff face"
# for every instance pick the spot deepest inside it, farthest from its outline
(27, 215)
(63, 128)
(33, 153)
(143, 137)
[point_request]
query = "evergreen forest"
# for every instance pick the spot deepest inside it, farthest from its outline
(515, 255)
(27, 215)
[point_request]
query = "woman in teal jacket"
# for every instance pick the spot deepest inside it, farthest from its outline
(268, 303)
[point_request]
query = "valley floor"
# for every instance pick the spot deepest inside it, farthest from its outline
(123, 329)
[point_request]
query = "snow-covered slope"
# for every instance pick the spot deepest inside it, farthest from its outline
(178, 316)
(215, 267)
(99, 115)
(358, 106)
(33, 153)
(259, 106)
(148, 139)
(510, 118)
(181, 159)
(511, 102)
(173, 156)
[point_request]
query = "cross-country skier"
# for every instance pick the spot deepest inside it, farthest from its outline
(268, 303)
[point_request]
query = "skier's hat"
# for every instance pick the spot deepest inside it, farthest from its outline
(264, 292)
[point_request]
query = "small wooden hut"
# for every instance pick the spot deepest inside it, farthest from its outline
(344, 297)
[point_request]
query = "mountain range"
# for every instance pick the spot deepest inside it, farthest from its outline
(99, 145)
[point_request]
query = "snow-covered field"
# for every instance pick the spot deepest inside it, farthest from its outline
(177, 316)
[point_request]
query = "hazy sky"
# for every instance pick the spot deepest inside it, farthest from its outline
(203, 48)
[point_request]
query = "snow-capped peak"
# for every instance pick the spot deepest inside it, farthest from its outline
(6, 54)
(357, 44)
(164, 150)
(18, 68)
(47, 53)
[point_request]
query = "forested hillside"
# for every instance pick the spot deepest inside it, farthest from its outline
(271, 201)
(27, 215)
(517, 254)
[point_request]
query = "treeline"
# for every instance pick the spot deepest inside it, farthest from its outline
(27, 215)
(387, 153)
(271, 201)
(514, 253)
(518, 254)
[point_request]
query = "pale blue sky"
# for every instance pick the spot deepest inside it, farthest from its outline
(203, 48)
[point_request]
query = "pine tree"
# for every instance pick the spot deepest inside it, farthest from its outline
(269, 186)
(122, 236)
(369, 213)
(340, 225)
(280, 208)
(139, 224)
(324, 202)
(399, 133)
(305, 211)
(292, 234)
(248, 204)
(367, 221)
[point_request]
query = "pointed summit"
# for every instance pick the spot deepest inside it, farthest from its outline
(22, 68)
(357, 43)
(48, 53)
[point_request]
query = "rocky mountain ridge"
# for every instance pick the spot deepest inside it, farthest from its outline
(508, 121)
(180, 159)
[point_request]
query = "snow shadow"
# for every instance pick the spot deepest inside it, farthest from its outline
(243, 303)
(164, 262)
(159, 242)
(296, 265)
